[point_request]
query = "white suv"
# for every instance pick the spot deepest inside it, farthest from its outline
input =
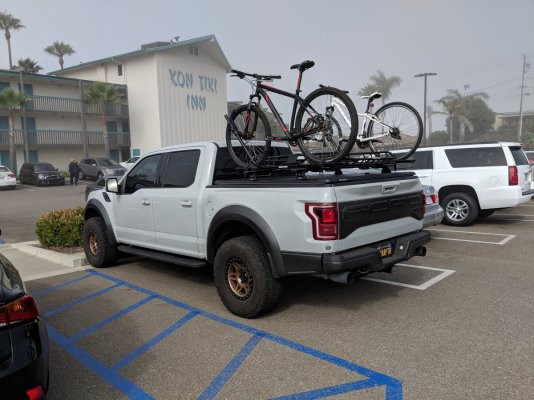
(473, 180)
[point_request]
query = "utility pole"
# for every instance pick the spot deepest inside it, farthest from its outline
(526, 67)
(425, 75)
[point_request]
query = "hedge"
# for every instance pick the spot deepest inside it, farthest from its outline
(61, 228)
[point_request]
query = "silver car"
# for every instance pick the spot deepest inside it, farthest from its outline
(433, 211)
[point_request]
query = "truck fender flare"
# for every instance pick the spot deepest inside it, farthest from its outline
(93, 207)
(257, 224)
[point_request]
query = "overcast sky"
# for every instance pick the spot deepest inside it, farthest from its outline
(479, 43)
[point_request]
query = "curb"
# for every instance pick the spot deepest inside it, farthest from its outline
(67, 260)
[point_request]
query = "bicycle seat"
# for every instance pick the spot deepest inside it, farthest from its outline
(303, 66)
(372, 96)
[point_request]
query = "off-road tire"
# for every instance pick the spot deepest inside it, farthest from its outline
(261, 290)
(460, 209)
(99, 250)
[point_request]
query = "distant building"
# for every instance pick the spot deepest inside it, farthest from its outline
(176, 93)
(58, 125)
(509, 122)
(176, 90)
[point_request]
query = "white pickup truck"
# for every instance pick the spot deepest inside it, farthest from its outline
(190, 205)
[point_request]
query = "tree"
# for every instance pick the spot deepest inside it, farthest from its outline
(461, 110)
(380, 83)
(103, 95)
(9, 23)
(60, 49)
(29, 66)
(12, 101)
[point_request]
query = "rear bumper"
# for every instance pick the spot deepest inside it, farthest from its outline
(360, 260)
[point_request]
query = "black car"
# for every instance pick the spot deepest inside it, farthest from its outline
(40, 173)
(95, 168)
(23, 339)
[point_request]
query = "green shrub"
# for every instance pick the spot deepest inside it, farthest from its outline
(61, 228)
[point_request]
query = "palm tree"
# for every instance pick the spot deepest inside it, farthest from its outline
(12, 101)
(103, 95)
(381, 83)
(60, 49)
(29, 66)
(449, 106)
(458, 107)
(9, 23)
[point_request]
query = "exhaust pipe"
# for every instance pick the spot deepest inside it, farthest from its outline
(346, 278)
(420, 251)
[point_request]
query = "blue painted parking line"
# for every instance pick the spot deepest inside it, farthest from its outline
(99, 368)
(61, 285)
(393, 387)
(152, 342)
(224, 376)
(81, 300)
(108, 320)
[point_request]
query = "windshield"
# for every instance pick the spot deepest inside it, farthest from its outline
(44, 167)
(104, 162)
(3, 169)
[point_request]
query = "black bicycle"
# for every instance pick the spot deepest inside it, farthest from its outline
(324, 133)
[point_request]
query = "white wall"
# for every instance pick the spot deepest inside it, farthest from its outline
(192, 96)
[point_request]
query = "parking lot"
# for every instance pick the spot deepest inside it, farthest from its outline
(455, 324)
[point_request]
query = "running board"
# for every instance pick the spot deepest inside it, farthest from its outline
(165, 257)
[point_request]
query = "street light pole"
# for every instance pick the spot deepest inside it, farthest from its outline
(425, 75)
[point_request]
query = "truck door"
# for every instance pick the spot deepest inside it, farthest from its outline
(175, 204)
(132, 209)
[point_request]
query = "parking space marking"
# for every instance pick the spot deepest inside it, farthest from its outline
(68, 270)
(444, 273)
(507, 237)
(393, 387)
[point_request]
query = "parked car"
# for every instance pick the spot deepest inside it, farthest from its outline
(23, 339)
(474, 179)
(433, 211)
(530, 156)
(95, 168)
(40, 173)
(129, 163)
(7, 178)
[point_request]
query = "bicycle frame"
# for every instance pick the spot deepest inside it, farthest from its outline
(362, 135)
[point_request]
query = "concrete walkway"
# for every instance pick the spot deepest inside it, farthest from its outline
(35, 263)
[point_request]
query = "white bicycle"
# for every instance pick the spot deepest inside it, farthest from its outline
(395, 126)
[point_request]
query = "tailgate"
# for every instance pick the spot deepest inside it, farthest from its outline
(523, 168)
(390, 205)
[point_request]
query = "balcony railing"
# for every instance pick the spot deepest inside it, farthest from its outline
(72, 105)
(43, 138)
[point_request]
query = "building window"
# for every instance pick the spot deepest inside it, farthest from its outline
(119, 70)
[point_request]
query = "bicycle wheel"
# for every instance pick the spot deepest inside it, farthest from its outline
(402, 130)
(254, 138)
(326, 125)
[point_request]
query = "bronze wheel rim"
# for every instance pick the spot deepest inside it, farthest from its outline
(93, 244)
(239, 278)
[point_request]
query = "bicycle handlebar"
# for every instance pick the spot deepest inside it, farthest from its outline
(241, 75)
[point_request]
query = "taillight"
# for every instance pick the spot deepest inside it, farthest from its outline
(324, 220)
(36, 393)
(513, 176)
(22, 309)
(11, 175)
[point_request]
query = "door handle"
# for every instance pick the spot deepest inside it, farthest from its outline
(186, 203)
(145, 202)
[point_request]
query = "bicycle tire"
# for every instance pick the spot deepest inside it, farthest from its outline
(408, 130)
(255, 140)
(325, 145)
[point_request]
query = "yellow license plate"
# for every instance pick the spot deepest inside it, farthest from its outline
(385, 250)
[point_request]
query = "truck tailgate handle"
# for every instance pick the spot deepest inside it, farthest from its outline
(389, 188)
(186, 203)
(145, 202)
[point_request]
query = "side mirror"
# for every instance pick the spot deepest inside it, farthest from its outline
(112, 185)
(57, 170)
